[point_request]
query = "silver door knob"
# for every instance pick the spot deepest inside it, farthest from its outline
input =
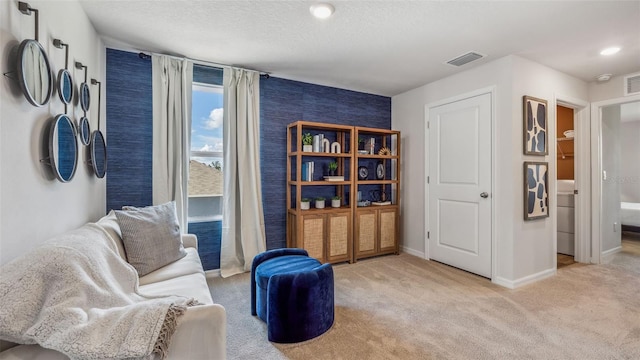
(484, 195)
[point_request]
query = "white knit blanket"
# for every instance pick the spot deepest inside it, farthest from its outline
(74, 294)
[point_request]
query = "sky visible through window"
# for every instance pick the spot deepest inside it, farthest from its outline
(206, 121)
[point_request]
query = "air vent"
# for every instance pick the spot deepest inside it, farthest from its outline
(465, 58)
(632, 84)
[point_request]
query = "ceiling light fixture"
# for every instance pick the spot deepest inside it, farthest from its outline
(610, 51)
(604, 77)
(322, 10)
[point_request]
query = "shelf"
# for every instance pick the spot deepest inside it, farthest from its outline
(319, 183)
(324, 210)
(565, 139)
(377, 182)
(320, 154)
(376, 156)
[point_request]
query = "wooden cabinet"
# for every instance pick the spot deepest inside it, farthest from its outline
(377, 211)
(376, 232)
(326, 233)
(360, 227)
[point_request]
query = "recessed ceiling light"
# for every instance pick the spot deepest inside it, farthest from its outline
(610, 51)
(322, 10)
(604, 77)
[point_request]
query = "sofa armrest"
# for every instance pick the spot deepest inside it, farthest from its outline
(201, 334)
(190, 240)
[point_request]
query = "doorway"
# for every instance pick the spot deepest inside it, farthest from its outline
(603, 225)
(565, 185)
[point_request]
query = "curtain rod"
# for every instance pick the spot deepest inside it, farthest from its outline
(145, 55)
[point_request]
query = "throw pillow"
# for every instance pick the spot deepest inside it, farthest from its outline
(151, 236)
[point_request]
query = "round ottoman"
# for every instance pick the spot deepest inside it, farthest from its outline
(293, 294)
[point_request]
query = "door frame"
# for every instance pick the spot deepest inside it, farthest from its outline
(582, 163)
(491, 90)
(596, 170)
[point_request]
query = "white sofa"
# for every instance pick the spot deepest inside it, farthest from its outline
(201, 331)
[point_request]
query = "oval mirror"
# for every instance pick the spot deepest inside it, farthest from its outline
(65, 86)
(85, 98)
(98, 154)
(63, 148)
(85, 131)
(34, 72)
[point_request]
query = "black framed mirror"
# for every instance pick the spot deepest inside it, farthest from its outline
(63, 148)
(34, 72)
(65, 86)
(85, 96)
(85, 131)
(98, 154)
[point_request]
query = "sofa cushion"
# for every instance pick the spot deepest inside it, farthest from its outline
(190, 264)
(151, 236)
(193, 286)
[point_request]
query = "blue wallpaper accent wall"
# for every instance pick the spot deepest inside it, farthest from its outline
(285, 101)
(130, 126)
(129, 130)
(209, 235)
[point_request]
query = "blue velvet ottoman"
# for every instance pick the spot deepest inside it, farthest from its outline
(293, 294)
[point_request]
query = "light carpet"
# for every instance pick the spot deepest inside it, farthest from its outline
(404, 307)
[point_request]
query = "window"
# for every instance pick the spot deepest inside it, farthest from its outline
(206, 161)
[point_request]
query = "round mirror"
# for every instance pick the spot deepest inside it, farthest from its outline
(34, 72)
(85, 98)
(63, 148)
(85, 131)
(65, 86)
(98, 154)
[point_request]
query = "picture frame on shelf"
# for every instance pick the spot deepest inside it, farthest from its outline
(534, 113)
(536, 190)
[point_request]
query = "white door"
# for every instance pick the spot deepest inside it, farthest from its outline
(460, 184)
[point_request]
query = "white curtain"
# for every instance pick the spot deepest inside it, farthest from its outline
(243, 234)
(171, 132)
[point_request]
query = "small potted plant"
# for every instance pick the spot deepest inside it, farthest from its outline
(305, 203)
(333, 166)
(320, 202)
(361, 143)
(307, 142)
(335, 201)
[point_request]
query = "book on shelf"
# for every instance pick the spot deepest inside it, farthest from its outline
(307, 171)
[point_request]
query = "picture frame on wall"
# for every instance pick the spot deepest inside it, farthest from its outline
(536, 190)
(535, 126)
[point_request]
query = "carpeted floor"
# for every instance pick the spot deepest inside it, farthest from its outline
(403, 307)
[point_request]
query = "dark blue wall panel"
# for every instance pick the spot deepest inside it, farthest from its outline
(129, 134)
(129, 130)
(209, 235)
(283, 102)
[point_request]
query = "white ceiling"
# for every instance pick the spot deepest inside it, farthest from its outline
(379, 47)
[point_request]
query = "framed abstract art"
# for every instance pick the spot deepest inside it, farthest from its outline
(535, 126)
(536, 190)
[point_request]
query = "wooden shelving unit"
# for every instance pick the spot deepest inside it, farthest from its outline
(377, 226)
(325, 233)
(349, 232)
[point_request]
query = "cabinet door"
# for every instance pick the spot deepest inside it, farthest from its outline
(366, 232)
(338, 236)
(388, 220)
(313, 228)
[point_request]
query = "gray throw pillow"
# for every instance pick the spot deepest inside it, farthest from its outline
(151, 236)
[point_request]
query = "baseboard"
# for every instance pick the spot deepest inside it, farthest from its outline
(606, 256)
(513, 284)
(413, 252)
(212, 273)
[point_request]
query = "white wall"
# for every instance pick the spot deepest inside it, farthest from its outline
(33, 206)
(525, 249)
(629, 163)
(614, 88)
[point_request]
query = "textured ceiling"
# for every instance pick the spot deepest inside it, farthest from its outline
(379, 47)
